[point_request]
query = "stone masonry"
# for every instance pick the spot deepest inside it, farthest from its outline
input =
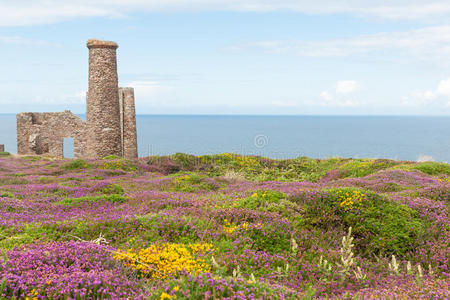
(2, 148)
(128, 122)
(103, 111)
(43, 133)
(110, 128)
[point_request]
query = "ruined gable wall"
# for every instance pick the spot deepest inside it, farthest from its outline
(43, 133)
(128, 122)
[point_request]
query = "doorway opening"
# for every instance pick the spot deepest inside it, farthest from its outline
(68, 145)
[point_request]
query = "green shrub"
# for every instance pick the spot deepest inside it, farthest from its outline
(260, 199)
(364, 167)
(4, 154)
(113, 189)
(6, 194)
(433, 168)
(186, 161)
(117, 164)
(108, 157)
(184, 229)
(116, 198)
(380, 226)
(223, 288)
(272, 240)
(193, 183)
(76, 164)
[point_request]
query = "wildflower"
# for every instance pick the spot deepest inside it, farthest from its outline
(165, 296)
(166, 260)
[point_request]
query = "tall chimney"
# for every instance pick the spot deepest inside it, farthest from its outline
(102, 105)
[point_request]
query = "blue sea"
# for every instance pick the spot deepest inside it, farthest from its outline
(403, 138)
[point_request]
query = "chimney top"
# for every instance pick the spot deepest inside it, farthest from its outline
(94, 43)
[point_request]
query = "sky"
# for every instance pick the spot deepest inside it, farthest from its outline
(276, 57)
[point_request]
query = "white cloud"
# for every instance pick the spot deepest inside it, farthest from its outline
(341, 95)
(444, 88)
(439, 96)
(425, 44)
(28, 12)
(327, 96)
(424, 158)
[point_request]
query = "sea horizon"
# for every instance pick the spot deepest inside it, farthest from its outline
(413, 138)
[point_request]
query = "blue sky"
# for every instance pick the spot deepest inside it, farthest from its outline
(354, 57)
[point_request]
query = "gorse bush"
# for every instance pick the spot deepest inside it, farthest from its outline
(193, 183)
(117, 164)
(433, 168)
(110, 157)
(260, 199)
(364, 167)
(163, 261)
(76, 164)
(379, 225)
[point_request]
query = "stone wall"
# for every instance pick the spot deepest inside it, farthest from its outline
(2, 148)
(128, 123)
(43, 133)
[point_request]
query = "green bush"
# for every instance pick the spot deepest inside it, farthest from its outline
(116, 198)
(184, 229)
(113, 189)
(108, 157)
(5, 194)
(186, 161)
(117, 164)
(219, 287)
(272, 240)
(380, 226)
(433, 168)
(4, 154)
(193, 183)
(364, 167)
(76, 164)
(260, 199)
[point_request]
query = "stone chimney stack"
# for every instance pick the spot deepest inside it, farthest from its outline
(128, 123)
(102, 105)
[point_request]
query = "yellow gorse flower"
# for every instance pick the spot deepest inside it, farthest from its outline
(165, 296)
(231, 227)
(161, 261)
(350, 200)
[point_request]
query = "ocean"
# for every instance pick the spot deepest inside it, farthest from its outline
(393, 137)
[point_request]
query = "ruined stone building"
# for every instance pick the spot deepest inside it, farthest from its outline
(110, 127)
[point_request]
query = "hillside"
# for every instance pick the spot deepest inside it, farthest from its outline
(223, 226)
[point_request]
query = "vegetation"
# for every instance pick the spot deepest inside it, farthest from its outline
(223, 226)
